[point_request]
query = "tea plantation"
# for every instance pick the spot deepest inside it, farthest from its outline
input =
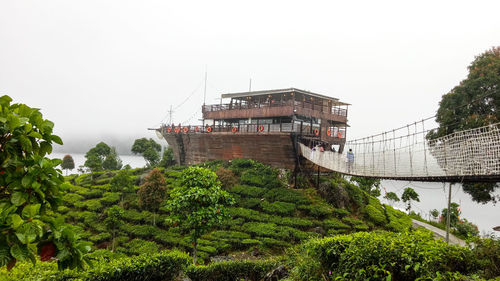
(272, 224)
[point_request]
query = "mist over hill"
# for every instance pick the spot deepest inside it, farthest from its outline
(82, 143)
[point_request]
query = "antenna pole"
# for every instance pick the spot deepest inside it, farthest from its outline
(170, 113)
(250, 86)
(205, 90)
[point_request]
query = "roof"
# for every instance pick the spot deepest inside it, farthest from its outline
(281, 91)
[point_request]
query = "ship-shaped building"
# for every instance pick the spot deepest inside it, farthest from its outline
(261, 125)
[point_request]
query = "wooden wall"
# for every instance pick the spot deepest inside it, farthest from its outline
(275, 150)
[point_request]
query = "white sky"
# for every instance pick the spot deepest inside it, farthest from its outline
(111, 69)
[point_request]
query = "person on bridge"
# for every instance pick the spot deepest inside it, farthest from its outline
(350, 160)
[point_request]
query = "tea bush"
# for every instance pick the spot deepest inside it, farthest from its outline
(380, 255)
(317, 211)
(277, 207)
(248, 191)
(231, 270)
(286, 195)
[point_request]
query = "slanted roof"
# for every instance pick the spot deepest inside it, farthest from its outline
(281, 91)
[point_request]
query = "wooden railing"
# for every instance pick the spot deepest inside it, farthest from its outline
(298, 127)
(297, 104)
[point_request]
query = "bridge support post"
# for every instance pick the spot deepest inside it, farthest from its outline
(317, 180)
(448, 215)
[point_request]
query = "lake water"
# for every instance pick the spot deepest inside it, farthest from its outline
(432, 196)
(133, 160)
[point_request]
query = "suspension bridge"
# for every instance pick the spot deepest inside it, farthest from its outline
(406, 154)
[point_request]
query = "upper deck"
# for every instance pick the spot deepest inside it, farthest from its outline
(276, 103)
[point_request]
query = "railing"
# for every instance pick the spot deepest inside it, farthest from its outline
(297, 104)
(297, 127)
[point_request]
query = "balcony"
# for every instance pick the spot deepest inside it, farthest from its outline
(274, 109)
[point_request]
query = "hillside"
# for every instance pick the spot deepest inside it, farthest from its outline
(267, 218)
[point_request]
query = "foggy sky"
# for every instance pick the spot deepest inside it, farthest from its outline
(111, 69)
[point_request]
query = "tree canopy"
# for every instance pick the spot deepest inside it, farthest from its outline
(370, 185)
(409, 195)
(29, 191)
(68, 163)
(475, 102)
(102, 157)
(153, 192)
(149, 149)
(199, 203)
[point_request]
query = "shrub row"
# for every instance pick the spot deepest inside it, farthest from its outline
(379, 255)
(252, 215)
(231, 270)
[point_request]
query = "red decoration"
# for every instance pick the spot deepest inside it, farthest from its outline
(47, 252)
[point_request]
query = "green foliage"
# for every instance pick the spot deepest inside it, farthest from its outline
(248, 191)
(409, 195)
(317, 210)
(149, 149)
(392, 197)
(486, 253)
(466, 228)
(454, 214)
(139, 246)
(110, 198)
(475, 102)
(398, 221)
(277, 207)
(286, 195)
(29, 191)
(67, 163)
(153, 192)
(102, 156)
(369, 185)
(379, 256)
(248, 202)
(256, 174)
(335, 224)
(375, 214)
(122, 182)
(167, 159)
(340, 213)
(112, 221)
(198, 203)
(231, 270)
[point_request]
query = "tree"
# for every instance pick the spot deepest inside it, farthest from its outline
(198, 204)
(392, 197)
(167, 159)
(153, 192)
(29, 192)
(408, 195)
(370, 185)
(102, 156)
(123, 183)
(149, 149)
(113, 221)
(475, 102)
(454, 214)
(67, 163)
(112, 161)
(434, 213)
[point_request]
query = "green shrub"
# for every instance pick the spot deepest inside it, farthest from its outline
(398, 221)
(317, 210)
(71, 198)
(375, 215)
(231, 271)
(134, 216)
(139, 246)
(93, 205)
(273, 243)
(248, 202)
(286, 195)
(248, 191)
(98, 238)
(107, 267)
(250, 242)
(340, 213)
(266, 229)
(380, 256)
(277, 207)
(110, 198)
(334, 223)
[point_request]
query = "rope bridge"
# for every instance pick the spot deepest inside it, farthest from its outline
(406, 154)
